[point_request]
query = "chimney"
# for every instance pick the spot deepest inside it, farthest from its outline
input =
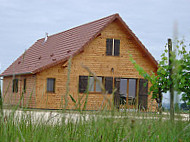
(46, 37)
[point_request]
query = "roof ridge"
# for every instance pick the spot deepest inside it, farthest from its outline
(113, 15)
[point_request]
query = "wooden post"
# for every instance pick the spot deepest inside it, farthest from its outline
(170, 78)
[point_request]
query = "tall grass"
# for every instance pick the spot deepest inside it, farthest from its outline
(105, 125)
(97, 128)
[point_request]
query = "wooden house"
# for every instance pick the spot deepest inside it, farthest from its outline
(39, 77)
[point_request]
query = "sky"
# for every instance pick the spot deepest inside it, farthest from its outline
(22, 22)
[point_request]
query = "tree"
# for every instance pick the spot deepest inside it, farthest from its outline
(160, 80)
(183, 71)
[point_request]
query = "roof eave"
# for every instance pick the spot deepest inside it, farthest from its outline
(25, 73)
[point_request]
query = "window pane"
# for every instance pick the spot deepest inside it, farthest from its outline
(116, 47)
(98, 88)
(123, 87)
(109, 46)
(15, 85)
(91, 84)
(132, 88)
(50, 85)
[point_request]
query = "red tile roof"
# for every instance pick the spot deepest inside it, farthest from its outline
(59, 47)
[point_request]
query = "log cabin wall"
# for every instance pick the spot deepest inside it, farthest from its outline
(94, 57)
(14, 98)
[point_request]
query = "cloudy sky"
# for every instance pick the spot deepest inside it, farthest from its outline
(22, 22)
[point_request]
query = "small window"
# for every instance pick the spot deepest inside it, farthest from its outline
(24, 85)
(51, 85)
(112, 47)
(15, 85)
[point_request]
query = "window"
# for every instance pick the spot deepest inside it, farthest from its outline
(24, 85)
(94, 85)
(15, 85)
(112, 47)
(126, 90)
(51, 85)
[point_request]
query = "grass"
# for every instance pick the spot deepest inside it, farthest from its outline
(99, 126)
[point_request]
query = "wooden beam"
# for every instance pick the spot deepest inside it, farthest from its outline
(65, 64)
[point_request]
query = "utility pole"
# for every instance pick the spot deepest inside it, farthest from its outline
(171, 88)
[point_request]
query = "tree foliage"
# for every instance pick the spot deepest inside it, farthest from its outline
(160, 80)
(183, 71)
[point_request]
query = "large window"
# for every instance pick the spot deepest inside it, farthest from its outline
(126, 90)
(95, 85)
(15, 85)
(112, 47)
(51, 85)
